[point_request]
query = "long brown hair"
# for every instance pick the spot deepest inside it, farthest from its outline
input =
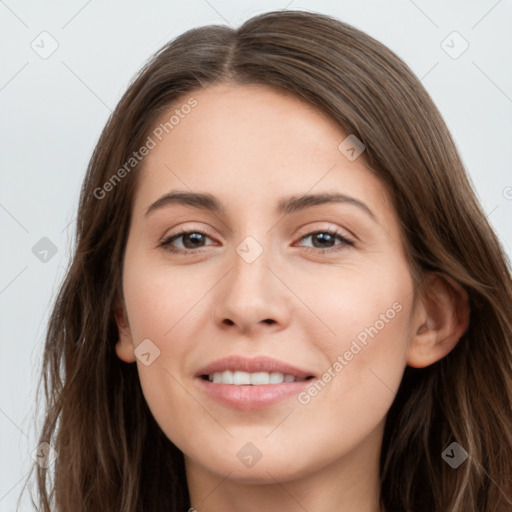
(112, 456)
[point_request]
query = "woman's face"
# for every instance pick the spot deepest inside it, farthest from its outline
(265, 280)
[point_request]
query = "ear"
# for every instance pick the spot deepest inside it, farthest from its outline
(442, 317)
(124, 347)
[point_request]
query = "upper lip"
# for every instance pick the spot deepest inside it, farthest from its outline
(252, 365)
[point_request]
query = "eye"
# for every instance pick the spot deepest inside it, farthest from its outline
(191, 241)
(325, 240)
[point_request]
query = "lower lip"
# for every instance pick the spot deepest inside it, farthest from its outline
(249, 397)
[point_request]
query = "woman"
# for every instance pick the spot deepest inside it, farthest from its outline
(277, 229)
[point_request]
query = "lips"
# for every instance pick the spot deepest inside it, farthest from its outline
(254, 394)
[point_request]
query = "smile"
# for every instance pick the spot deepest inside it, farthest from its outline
(241, 378)
(240, 382)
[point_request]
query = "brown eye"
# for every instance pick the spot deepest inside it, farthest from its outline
(190, 241)
(324, 241)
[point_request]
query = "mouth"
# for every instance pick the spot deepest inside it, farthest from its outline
(241, 378)
(248, 384)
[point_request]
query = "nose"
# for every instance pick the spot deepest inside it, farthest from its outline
(252, 297)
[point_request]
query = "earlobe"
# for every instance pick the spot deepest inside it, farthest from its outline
(124, 350)
(443, 317)
(124, 346)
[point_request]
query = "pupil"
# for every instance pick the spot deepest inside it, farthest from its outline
(194, 238)
(326, 237)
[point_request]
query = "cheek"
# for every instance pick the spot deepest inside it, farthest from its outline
(355, 390)
(370, 357)
(366, 303)
(160, 301)
(165, 307)
(368, 316)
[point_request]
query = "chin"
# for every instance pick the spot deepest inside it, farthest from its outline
(267, 470)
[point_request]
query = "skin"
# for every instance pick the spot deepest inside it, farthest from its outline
(250, 146)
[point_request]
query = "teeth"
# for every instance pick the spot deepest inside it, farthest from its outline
(277, 378)
(239, 378)
(256, 379)
(227, 377)
(260, 378)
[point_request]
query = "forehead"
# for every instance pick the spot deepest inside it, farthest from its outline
(249, 145)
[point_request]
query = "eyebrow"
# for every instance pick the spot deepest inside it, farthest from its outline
(285, 206)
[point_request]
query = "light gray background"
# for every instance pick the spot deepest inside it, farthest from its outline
(52, 111)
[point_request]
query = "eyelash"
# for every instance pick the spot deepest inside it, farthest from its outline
(166, 243)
